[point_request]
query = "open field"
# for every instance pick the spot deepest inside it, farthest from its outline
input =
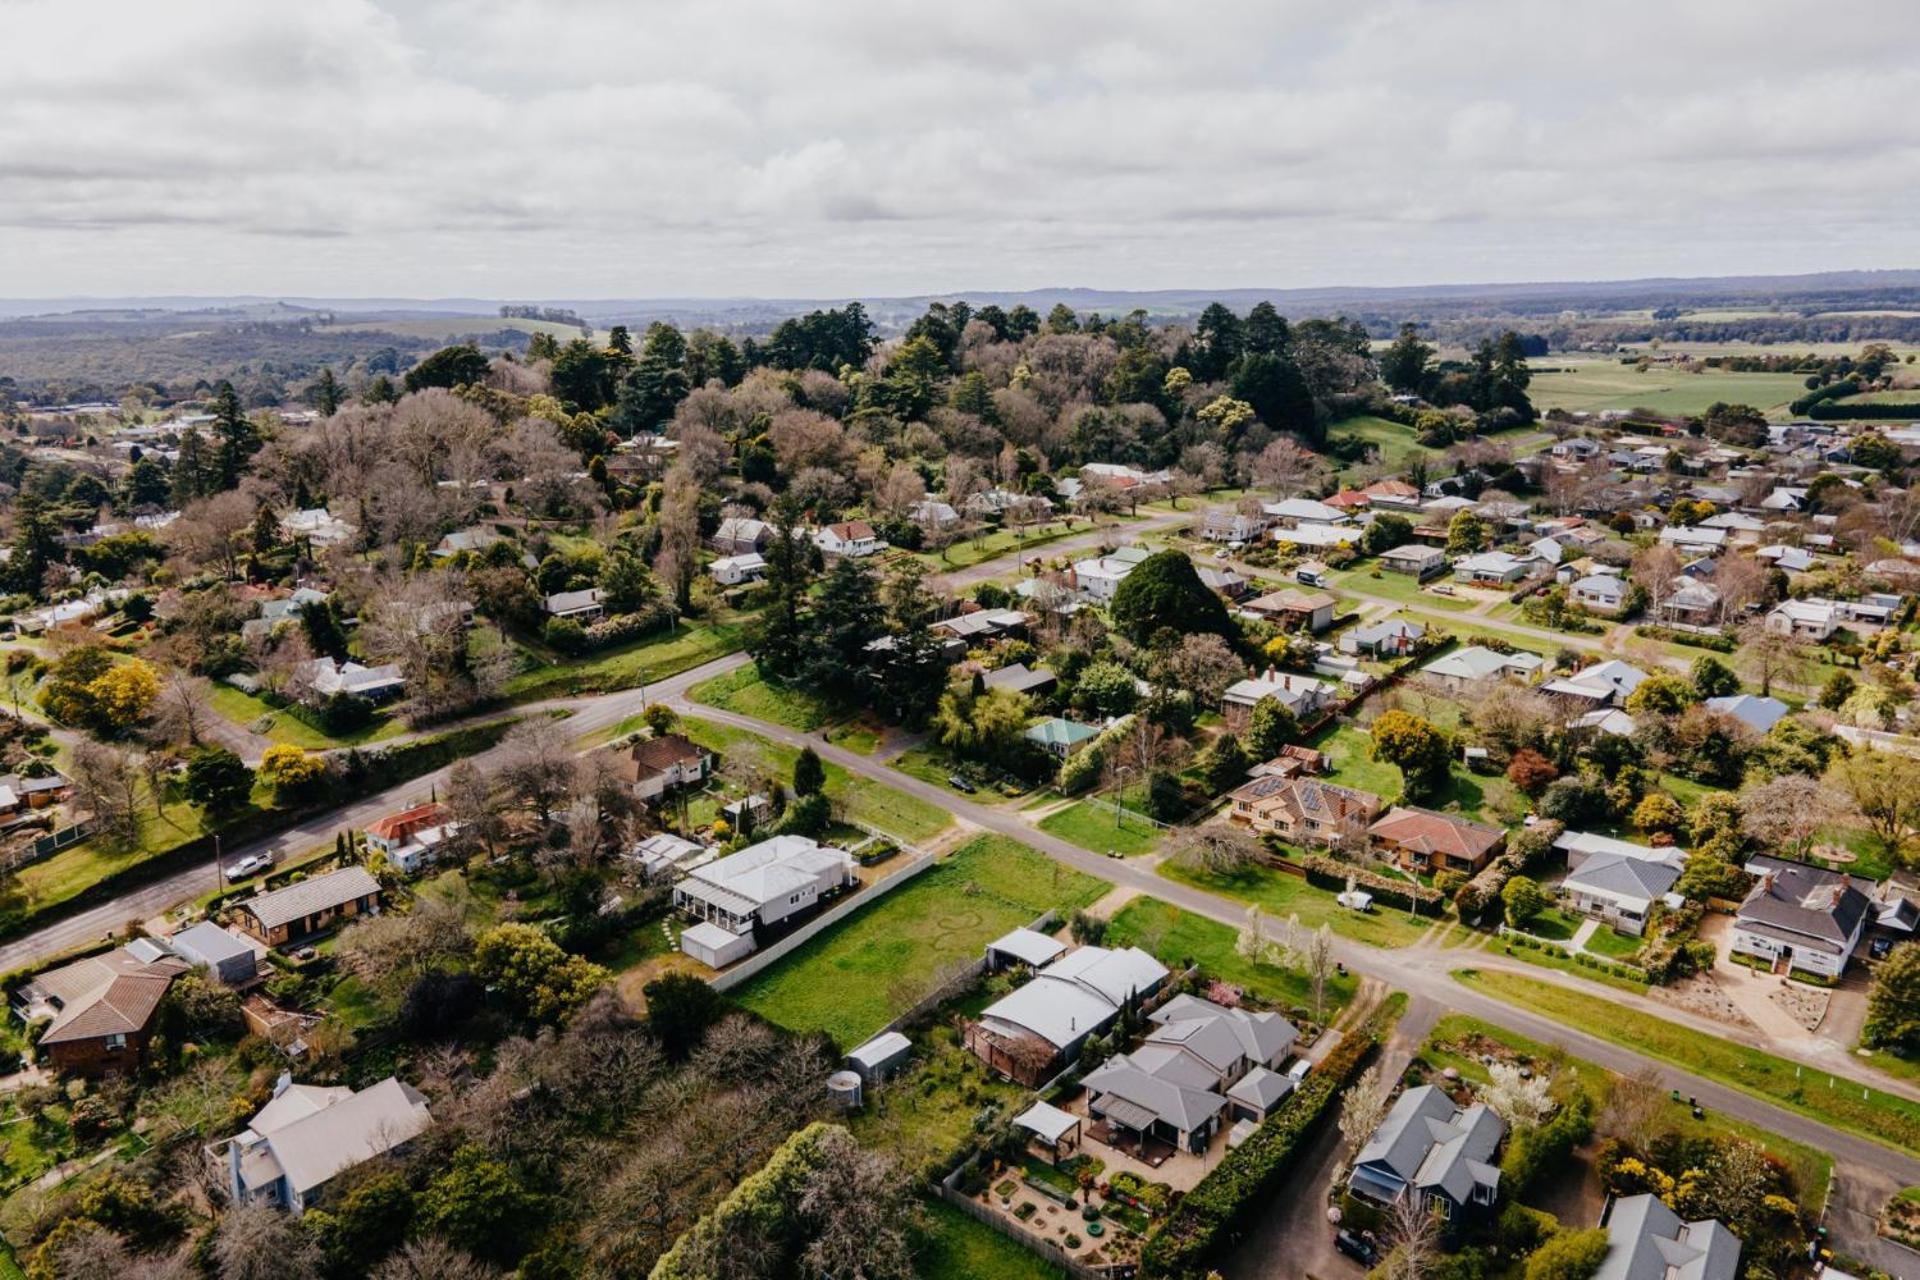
(1396, 443)
(882, 808)
(1594, 385)
(1811, 1168)
(1281, 895)
(1844, 1104)
(850, 981)
(1174, 937)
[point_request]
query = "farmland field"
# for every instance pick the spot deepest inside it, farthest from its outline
(850, 981)
(1593, 385)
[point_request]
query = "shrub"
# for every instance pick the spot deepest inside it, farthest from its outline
(1330, 873)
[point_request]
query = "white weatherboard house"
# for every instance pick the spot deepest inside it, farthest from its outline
(1802, 917)
(762, 884)
(1616, 880)
(310, 1133)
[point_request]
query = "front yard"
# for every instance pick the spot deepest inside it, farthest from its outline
(1096, 827)
(1175, 936)
(1280, 894)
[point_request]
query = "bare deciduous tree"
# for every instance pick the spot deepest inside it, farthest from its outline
(431, 1258)
(106, 783)
(184, 708)
(538, 766)
(261, 1242)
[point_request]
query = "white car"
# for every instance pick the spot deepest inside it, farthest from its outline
(251, 865)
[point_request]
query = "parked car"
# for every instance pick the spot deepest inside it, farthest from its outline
(251, 865)
(959, 783)
(1356, 1246)
(1879, 947)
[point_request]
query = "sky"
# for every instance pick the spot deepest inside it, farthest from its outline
(824, 148)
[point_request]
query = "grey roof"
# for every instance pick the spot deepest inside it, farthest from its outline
(1019, 678)
(1186, 1109)
(329, 1133)
(1262, 1037)
(1262, 1088)
(207, 943)
(309, 897)
(880, 1050)
(1624, 876)
(1648, 1241)
(1757, 713)
(1804, 900)
(1429, 1143)
(1029, 946)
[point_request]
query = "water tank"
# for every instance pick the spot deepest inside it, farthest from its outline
(843, 1089)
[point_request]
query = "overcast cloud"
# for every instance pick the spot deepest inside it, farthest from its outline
(814, 148)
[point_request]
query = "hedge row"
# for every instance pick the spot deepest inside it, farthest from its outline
(1482, 893)
(1874, 412)
(1330, 873)
(1698, 639)
(1243, 1184)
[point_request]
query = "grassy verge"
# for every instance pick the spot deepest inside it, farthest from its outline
(1175, 936)
(1093, 826)
(853, 979)
(1283, 895)
(642, 662)
(1841, 1103)
(743, 692)
(894, 812)
(1811, 1168)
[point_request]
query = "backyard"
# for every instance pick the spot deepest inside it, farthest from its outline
(1844, 1104)
(959, 1248)
(852, 980)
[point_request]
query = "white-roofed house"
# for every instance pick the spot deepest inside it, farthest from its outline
(731, 571)
(309, 1134)
(581, 606)
(1302, 695)
(1490, 569)
(324, 678)
(1602, 684)
(760, 885)
(1463, 669)
(1602, 593)
(1809, 619)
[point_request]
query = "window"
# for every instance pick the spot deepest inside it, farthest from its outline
(116, 1041)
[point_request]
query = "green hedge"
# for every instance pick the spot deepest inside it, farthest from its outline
(1830, 411)
(1244, 1184)
(1699, 640)
(1331, 873)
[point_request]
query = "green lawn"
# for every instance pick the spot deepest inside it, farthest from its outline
(930, 764)
(1396, 443)
(957, 1247)
(894, 812)
(853, 979)
(1836, 1101)
(641, 662)
(1399, 587)
(1283, 895)
(1000, 542)
(1349, 749)
(929, 1111)
(281, 725)
(1566, 964)
(1096, 827)
(1607, 941)
(1175, 936)
(743, 692)
(1554, 924)
(1811, 1168)
(1608, 384)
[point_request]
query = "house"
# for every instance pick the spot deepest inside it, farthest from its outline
(474, 540)
(1490, 569)
(231, 961)
(1099, 578)
(1422, 840)
(738, 535)
(1294, 609)
(1303, 810)
(731, 571)
(100, 1009)
(324, 678)
(1757, 713)
(1464, 669)
(1040, 1026)
(317, 526)
(933, 514)
(983, 624)
(1602, 593)
(412, 838)
(305, 907)
(761, 885)
(1323, 536)
(1392, 493)
(663, 852)
(1804, 619)
(1802, 917)
(1416, 559)
(1742, 529)
(1298, 511)
(1021, 679)
(1222, 525)
(1617, 881)
(1647, 1241)
(652, 767)
(581, 606)
(1301, 695)
(1691, 603)
(852, 539)
(309, 1134)
(1393, 638)
(1694, 539)
(287, 609)
(1602, 684)
(999, 502)
(1441, 1155)
(1060, 737)
(1784, 498)
(20, 791)
(1223, 581)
